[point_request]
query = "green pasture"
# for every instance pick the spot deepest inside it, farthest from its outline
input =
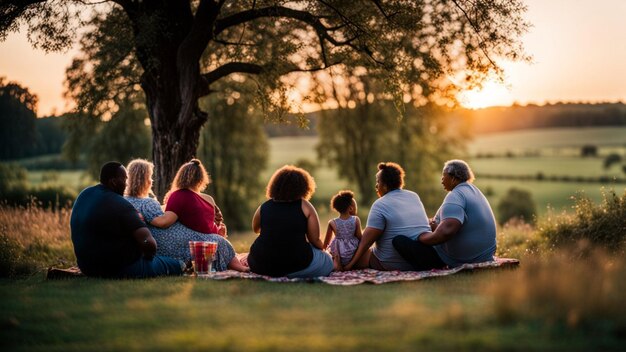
(548, 139)
(75, 179)
(546, 165)
(556, 195)
(187, 314)
(292, 150)
(547, 195)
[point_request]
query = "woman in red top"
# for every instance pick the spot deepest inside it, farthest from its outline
(194, 209)
(185, 202)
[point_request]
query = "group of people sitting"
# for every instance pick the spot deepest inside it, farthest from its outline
(120, 230)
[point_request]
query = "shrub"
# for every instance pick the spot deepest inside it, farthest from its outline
(12, 176)
(517, 239)
(49, 195)
(588, 150)
(601, 224)
(15, 191)
(611, 159)
(517, 203)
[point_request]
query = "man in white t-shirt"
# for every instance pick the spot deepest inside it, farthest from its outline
(397, 212)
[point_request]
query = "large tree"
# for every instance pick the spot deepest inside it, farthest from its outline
(186, 47)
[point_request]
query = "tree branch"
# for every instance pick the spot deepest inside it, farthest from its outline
(244, 67)
(10, 11)
(477, 31)
(231, 67)
(275, 11)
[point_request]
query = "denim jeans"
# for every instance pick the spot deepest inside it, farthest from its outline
(157, 266)
(321, 265)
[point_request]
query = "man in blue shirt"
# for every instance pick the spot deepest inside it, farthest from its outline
(463, 230)
(110, 239)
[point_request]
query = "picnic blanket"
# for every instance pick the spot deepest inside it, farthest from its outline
(356, 277)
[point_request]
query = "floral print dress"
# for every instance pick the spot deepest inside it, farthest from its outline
(173, 241)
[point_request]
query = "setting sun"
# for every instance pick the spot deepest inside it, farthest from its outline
(491, 94)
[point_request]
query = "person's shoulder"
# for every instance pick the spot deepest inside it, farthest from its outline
(307, 207)
(306, 203)
(458, 194)
(408, 193)
(207, 198)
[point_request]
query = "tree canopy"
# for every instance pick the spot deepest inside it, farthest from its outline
(419, 49)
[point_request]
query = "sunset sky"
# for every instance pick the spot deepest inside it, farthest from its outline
(578, 46)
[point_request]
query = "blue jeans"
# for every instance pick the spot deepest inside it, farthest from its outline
(157, 266)
(321, 265)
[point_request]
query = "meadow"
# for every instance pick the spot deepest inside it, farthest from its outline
(556, 152)
(549, 151)
(551, 302)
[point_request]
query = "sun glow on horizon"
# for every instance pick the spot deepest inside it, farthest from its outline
(491, 94)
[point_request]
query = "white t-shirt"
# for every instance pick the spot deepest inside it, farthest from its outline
(399, 212)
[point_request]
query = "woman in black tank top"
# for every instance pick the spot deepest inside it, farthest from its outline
(288, 225)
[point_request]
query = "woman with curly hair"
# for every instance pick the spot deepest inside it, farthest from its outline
(289, 241)
(172, 236)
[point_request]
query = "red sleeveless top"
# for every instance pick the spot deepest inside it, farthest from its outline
(192, 211)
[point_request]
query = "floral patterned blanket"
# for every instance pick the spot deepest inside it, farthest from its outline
(355, 277)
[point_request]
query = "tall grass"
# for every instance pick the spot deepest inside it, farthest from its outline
(32, 238)
(585, 294)
(518, 239)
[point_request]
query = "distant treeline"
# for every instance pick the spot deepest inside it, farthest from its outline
(48, 138)
(499, 119)
(516, 117)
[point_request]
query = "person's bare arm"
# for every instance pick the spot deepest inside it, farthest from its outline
(165, 220)
(329, 234)
(313, 224)
(147, 244)
(444, 232)
(256, 221)
(370, 235)
(358, 233)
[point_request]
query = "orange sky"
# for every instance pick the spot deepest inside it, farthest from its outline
(579, 50)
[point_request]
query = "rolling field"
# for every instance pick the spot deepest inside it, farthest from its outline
(557, 195)
(558, 152)
(548, 138)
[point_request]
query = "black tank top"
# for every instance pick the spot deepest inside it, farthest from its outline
(281, 248)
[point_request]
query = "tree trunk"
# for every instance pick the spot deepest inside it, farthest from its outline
(175, 130)
(172, 84)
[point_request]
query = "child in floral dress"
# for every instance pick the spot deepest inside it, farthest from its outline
(346, 229)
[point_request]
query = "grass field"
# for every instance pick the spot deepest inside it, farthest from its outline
(549, 138)
(556, 195)
(291, 150)
(549, 303)
(75, 179)
(458, 313)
